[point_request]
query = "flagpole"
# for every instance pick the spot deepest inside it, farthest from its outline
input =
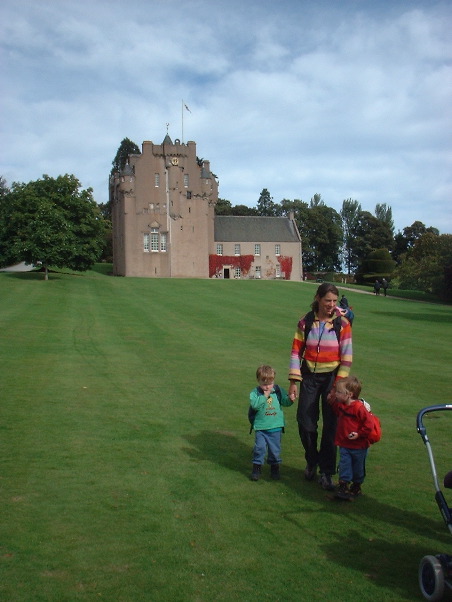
(182, 121)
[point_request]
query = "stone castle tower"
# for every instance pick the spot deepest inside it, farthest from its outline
(163, 212)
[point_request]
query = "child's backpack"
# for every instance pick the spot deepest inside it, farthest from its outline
(375, 433)
(252, 412)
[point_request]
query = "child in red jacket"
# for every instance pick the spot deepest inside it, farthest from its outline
(354, 424)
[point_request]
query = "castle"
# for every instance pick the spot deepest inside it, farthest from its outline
(164, 224)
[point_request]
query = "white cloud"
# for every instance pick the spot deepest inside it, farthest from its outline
(347, 99)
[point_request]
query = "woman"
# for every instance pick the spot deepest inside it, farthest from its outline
(321, 353)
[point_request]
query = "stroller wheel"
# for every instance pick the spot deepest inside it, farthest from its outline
(431, 578)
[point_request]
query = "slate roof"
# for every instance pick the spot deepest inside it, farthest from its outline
(235, 228)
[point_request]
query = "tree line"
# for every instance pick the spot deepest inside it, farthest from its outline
(53, 221)
(362, 245)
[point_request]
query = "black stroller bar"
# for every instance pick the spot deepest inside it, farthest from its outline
(446, 512)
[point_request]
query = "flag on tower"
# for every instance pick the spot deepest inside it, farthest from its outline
(187, 108)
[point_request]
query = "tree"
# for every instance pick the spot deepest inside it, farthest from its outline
(371, 234)
(126, 148)
(321, 233)
(404, 242)
(384, 213)
(223, 207)
(3, 187)
(350, 213)
(53, 222)
(427, 266)
(377, 265)
(265, 205)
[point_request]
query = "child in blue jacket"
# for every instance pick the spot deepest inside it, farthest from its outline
(266, 400)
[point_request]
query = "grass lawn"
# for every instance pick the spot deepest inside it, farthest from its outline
(125, 452)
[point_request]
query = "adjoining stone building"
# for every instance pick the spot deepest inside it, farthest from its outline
(256, 247)
(164, 223)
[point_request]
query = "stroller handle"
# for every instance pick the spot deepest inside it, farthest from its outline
(420, 425)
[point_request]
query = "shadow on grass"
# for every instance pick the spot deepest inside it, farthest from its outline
(106, 269)
(224, 449)
(34, 275)
(383, 560)
(388, 564)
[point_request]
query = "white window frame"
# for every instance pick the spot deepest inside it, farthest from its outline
(277, 249)
(154, 240)
(237, 249)
(237, 272)
(258, 272)
(186, 180)
(163, 242)
(146, 242)
(278, 270)
(257, 249)
(219, 249)
(156, 180)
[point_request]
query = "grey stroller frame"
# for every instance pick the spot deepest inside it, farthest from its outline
(435, 572)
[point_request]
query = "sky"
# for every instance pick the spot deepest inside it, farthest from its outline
(346, 99)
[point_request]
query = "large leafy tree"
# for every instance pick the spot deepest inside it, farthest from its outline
(405, 241)
(322, 237)
(428, 265)
(51, 221)
(371, 234)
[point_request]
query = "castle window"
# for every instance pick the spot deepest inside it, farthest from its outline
(277, 249)
(188, 194)
(146, 242)
(257, 249)
(236, 249)
(278, 271)
(163, 242)
(219, 249)
(237, 272)
(257, 271)
(154, 240)
(157, 180)
(186, 180)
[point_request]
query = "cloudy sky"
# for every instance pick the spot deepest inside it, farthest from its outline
(345, 98)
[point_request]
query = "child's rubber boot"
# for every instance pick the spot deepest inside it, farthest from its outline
(255, 475)
(355, 489)
(343, 491)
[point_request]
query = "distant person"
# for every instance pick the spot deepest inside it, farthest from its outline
(317, 360)
(354, 424)
(377, 287)
(266, 402)
(343, 302)
(384, 284)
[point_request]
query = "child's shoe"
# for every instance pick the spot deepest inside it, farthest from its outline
(355, 489)
(256, 472)
(343, 491)
(274, 472)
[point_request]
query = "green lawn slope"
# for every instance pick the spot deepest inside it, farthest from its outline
(125, 451)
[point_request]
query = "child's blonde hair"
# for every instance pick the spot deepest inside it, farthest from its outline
(265, 374)
(352, 385)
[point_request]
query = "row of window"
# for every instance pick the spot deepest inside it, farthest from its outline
(155, 241)
(157, 180)
(257, 271)
(257, 249)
